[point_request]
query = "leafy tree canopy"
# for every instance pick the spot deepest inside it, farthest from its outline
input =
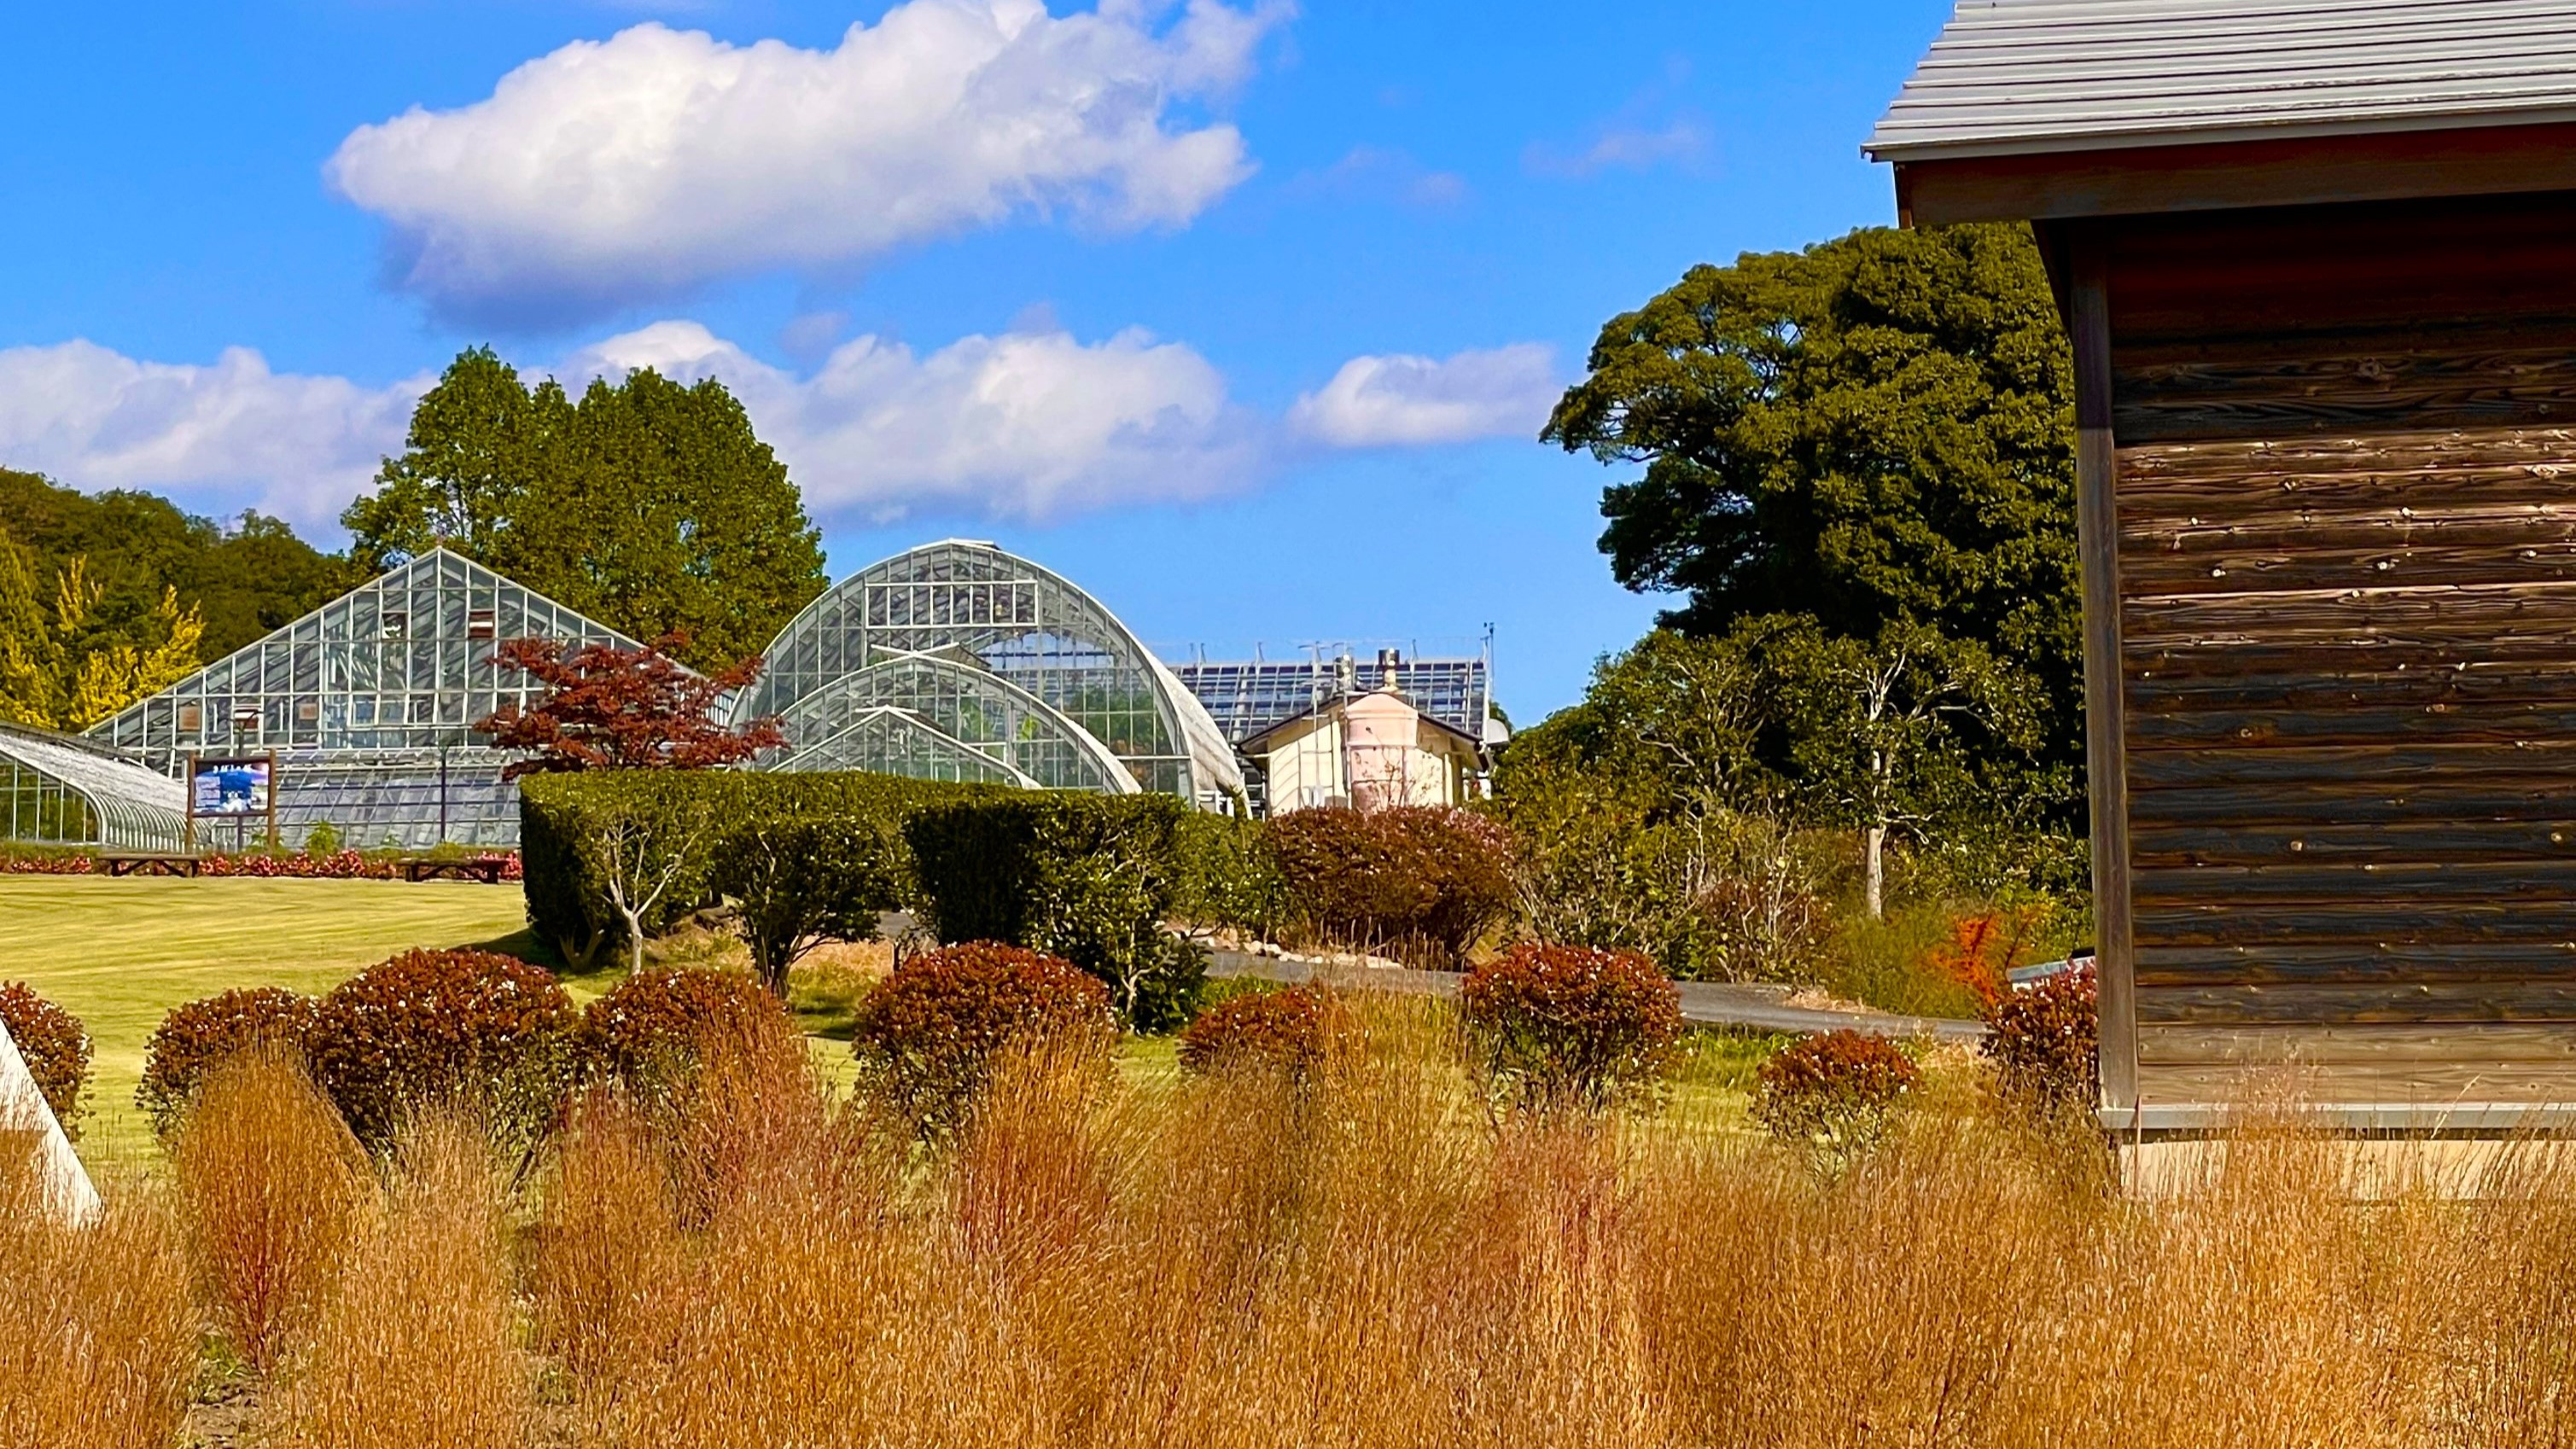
(626, 709)
(65, 667)
(242, 581)
(1878, 430)
(648, 505)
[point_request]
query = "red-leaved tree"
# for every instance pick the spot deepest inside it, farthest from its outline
(608, 708)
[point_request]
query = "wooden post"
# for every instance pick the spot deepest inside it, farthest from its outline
(2097, 530)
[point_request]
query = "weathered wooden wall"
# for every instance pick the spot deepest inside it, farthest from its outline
(2346, 498)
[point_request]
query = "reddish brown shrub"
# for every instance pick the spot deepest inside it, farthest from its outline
(1422, 883)
(1834, 1092)
(484, 1030)
(1293, 1031)
(1571, 1026)
(650, 1030)
(2046, 1041)
(926, 1036)
(55, 1046)
(197, 1037)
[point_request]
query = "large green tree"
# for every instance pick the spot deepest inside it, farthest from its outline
(647, 504)
(1876, 431)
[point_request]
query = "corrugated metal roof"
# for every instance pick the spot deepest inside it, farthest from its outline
(2019, 76)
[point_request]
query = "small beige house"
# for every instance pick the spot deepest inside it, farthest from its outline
(1369, 751)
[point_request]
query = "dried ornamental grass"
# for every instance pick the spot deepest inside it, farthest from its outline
(271, 1184)
(98, 1340)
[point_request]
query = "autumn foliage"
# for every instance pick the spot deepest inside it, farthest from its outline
(928, 1035)
(1292, 1032)
(633, 709)
(1558, 1027)
(55, 1047)
(199, 1036)
(2045, 1041)
(1835, 1091)
(469, 1028)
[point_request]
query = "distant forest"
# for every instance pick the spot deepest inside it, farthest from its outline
(243, 579)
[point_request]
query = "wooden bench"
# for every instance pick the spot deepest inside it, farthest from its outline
(486, 869)
(150, 864)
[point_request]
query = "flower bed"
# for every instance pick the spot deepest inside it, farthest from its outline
(281, 865)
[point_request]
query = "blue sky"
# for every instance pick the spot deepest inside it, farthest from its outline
(1244, 315)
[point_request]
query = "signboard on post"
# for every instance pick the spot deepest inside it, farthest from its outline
(239, 788)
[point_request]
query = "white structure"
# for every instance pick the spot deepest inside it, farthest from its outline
(24, 1118)
(1369, 751)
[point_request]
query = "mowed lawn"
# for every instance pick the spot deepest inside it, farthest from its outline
(120, 953)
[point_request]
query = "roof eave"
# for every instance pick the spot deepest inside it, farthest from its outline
(1900, 152)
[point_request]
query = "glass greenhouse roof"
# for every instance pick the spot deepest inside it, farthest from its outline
(1247, 697)
(65, 791)
(973, 649)
(369, 704)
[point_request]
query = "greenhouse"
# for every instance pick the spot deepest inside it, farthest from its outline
(68, 792)
(368, 705)
(960, 661)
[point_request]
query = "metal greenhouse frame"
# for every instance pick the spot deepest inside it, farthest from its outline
(975, 650)
(369, 704)
(68, 792)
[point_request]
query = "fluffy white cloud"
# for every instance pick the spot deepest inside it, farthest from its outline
(217, 438)
(1403, 400)
(1029, 424)
(613, 171)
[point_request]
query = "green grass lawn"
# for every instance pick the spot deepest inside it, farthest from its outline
(120, 953)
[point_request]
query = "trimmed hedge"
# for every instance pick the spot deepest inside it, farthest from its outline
(55, 1046)
(926, 1036)
(860, 816)
(469, 1026)
(199, 1036)
(1423, 883)
(1090, 878)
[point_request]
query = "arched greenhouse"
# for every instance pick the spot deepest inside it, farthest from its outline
(959, 661)
(68, 792)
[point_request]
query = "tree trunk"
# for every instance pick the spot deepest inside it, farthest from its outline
(1873, 846)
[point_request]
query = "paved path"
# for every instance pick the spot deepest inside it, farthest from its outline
(1712, 1002)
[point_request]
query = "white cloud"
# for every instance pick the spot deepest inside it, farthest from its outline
(217, 438)
(1625, 148)
(615, 171)
(1031, 424)
(1025, 425)
(1407, 401)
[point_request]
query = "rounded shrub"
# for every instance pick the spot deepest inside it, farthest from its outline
(201, 1035)
(55, 1046)
(489, 1031)
(1294, 1032)
(1423, 883)
(650, 1031)
(927, 1035)
(1834, 1092)
(1571, 1026)
(2045, 1042)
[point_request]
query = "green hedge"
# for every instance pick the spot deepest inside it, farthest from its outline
(720, 826)
(1090, 878)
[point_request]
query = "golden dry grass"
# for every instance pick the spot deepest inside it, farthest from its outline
(1362, 1261)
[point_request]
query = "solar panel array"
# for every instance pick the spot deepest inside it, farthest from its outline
(1245, 697)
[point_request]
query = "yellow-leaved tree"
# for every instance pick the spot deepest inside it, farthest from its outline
(62, 667)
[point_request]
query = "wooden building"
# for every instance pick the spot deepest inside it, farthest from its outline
(2318, 264)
